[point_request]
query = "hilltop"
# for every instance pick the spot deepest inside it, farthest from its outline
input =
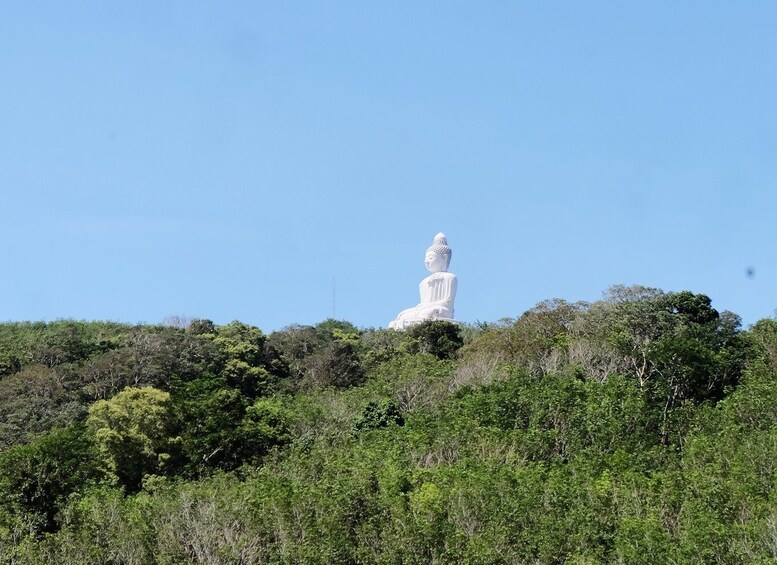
(641, 428)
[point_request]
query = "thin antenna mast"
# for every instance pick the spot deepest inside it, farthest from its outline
(333, 297)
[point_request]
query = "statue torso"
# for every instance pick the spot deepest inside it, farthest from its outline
(438, 288)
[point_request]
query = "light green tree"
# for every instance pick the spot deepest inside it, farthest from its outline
(135, 434)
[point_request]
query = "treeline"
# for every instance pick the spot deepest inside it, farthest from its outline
(641, 428)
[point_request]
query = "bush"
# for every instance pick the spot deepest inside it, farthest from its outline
(378, 415)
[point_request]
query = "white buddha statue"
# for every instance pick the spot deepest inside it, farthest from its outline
(437, 290)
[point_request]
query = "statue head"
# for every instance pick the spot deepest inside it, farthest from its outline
(438, 256)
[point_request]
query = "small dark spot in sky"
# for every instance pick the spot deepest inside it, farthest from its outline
(750, 272)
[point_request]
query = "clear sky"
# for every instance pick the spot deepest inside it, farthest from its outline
(226, 160)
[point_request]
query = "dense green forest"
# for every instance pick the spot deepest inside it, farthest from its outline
(641, 428)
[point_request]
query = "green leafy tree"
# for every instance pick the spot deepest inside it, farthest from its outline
(223, 429)
(9, 364)
(327, 354)
(211, 419)
(679, 348)
(66, 341)
(337, 365)
(200, 326)
(265, 425)
(296, 345)
(378, 415)
(159, 354)
(244, 349)
(37, 478)
(439, 338)
(135, 433)
(379, 346)
(34, 400)
(538, 341)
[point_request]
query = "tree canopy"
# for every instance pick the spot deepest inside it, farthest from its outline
(641, 428)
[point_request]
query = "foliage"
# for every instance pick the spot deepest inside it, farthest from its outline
(536, 341)
(243, 348)
(134, 434)
(37, 478)
(211, 414)
(641, 428)
(320, 356)
(439, 338)
(34, 400)
(378, 415)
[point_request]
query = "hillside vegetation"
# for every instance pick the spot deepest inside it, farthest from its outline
(641, 428)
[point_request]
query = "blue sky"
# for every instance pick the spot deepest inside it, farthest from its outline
(227, 160)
